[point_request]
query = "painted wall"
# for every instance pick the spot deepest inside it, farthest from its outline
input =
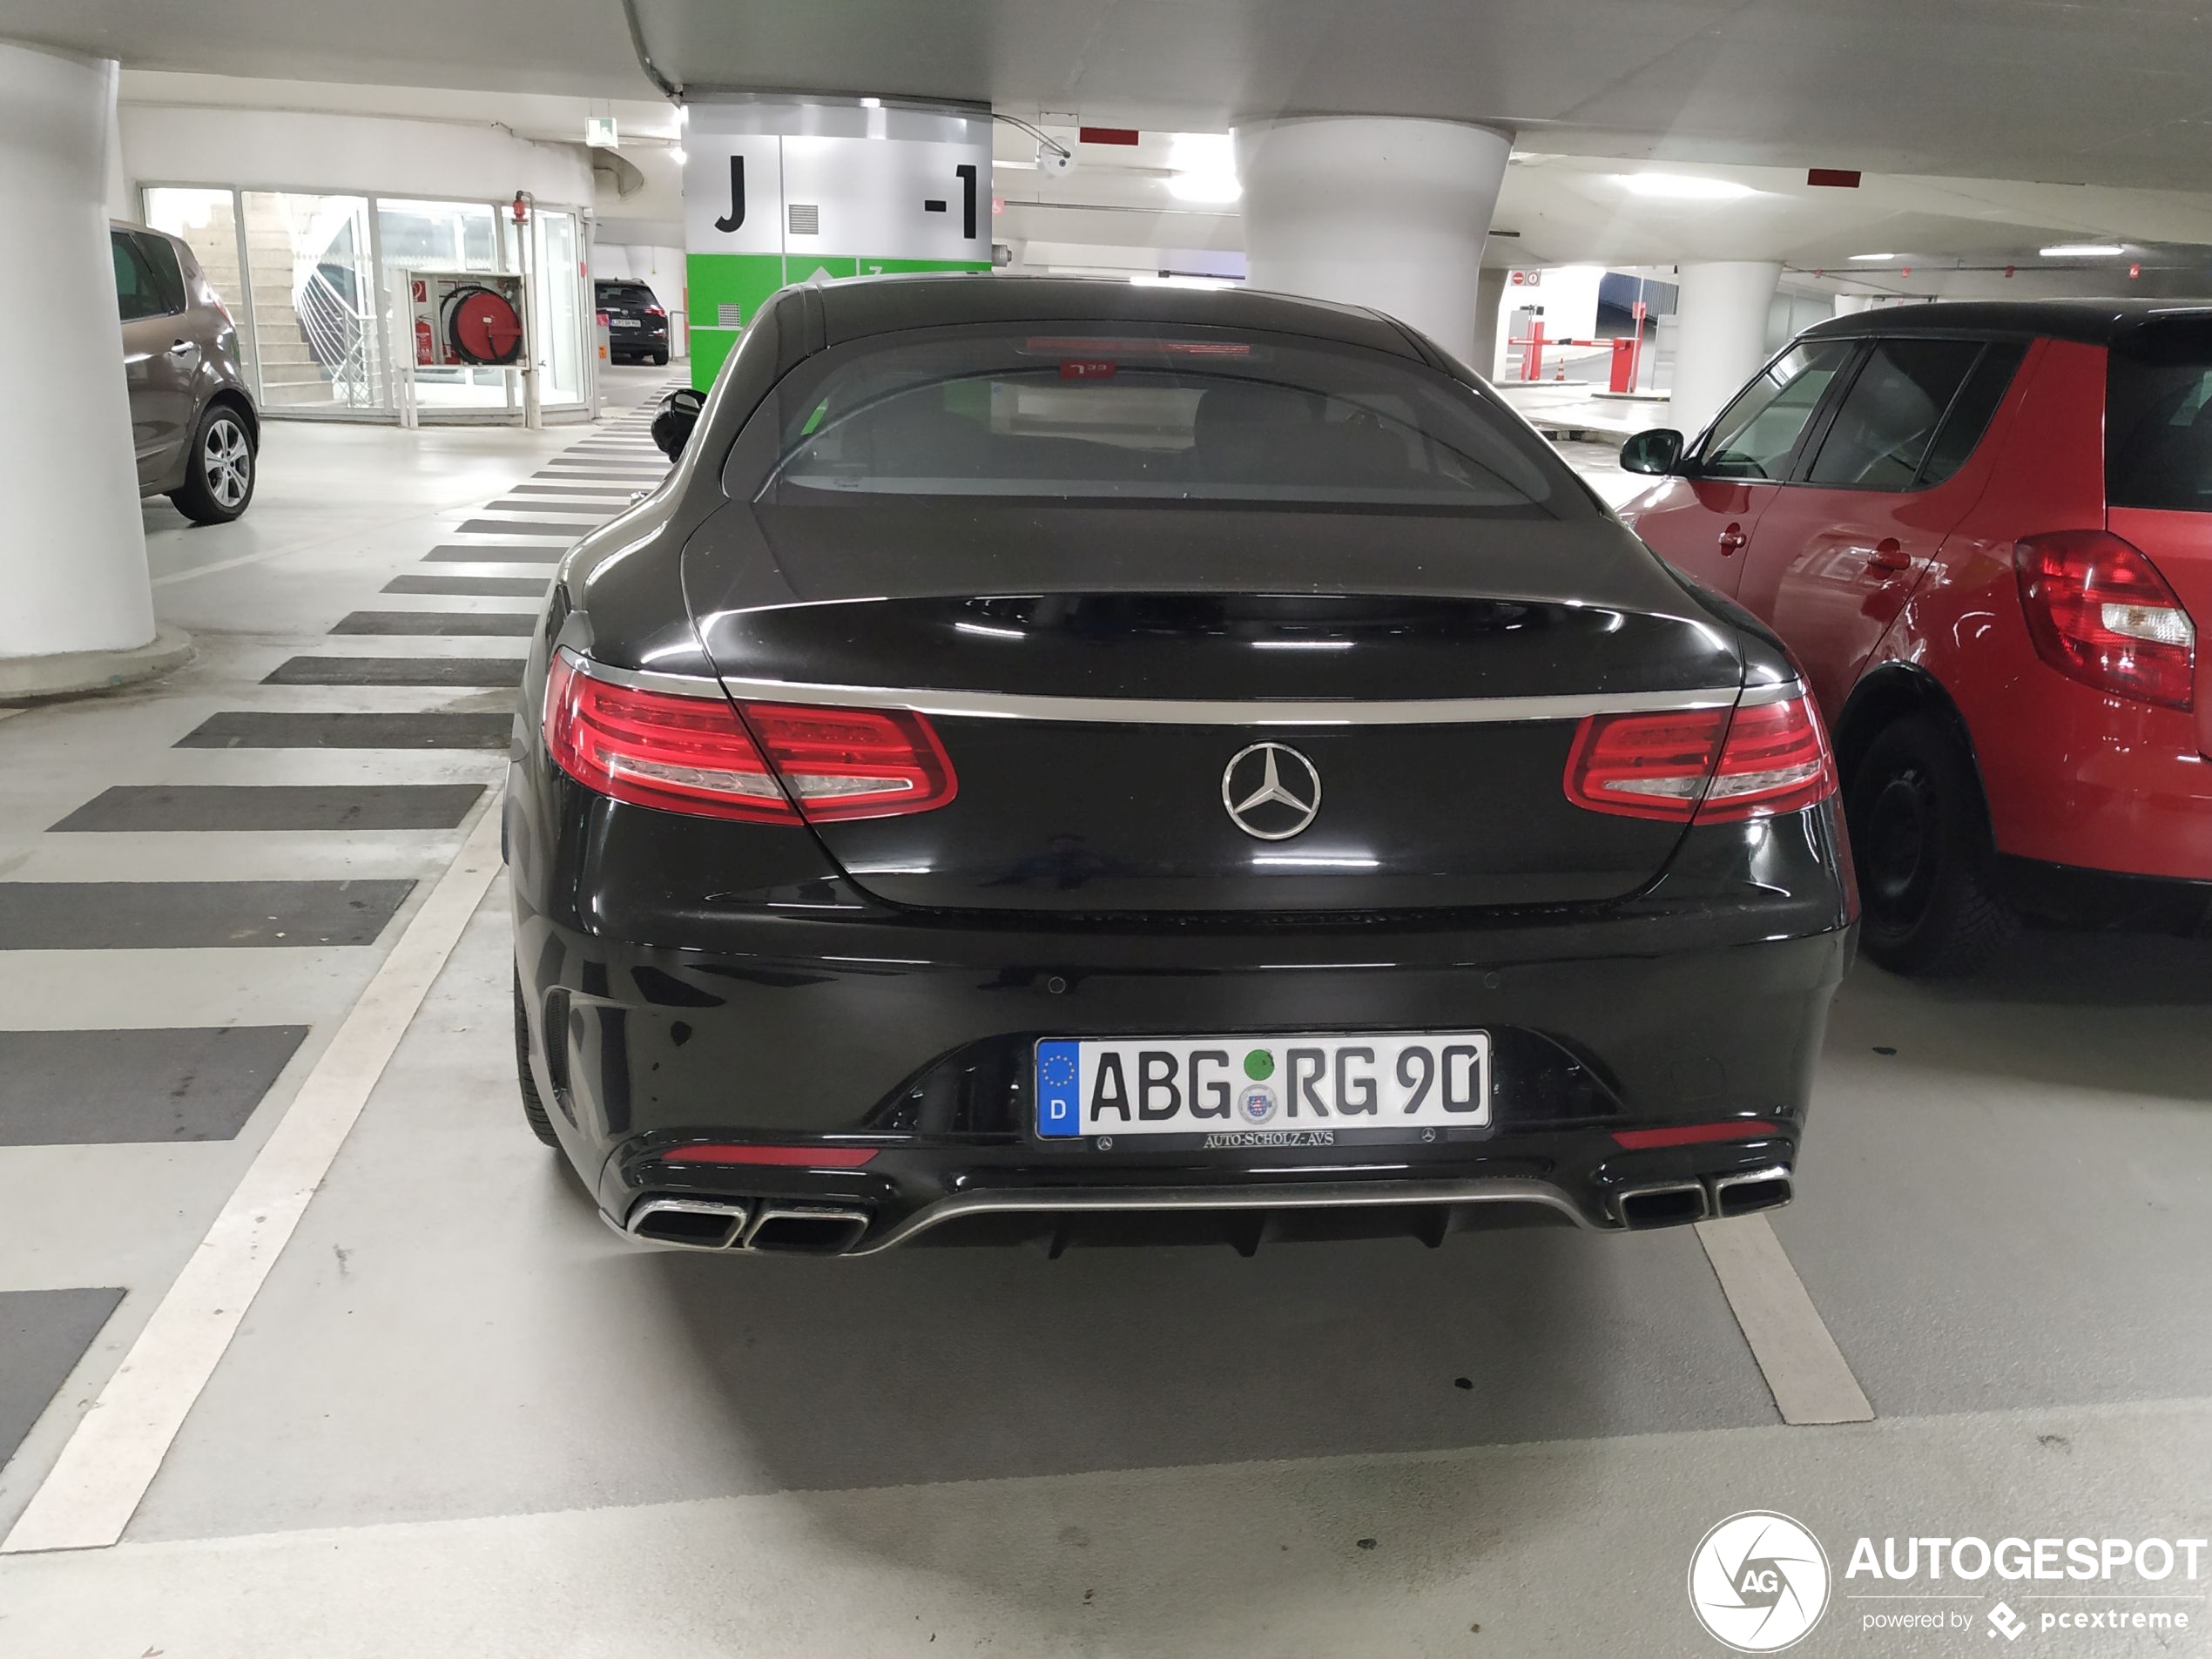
(776, 193)
(297, 149)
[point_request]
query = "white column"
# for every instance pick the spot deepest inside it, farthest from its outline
(1722, 307)
(73, 550)
(1374, 211)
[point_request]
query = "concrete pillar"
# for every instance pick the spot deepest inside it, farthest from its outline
(779, 191)
(77, 610)
(1489, 303)
(1374, 211)
(1722, 306)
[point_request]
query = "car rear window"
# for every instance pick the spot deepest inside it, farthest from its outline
(1087, 412)
(2158, 417)
(612, 294)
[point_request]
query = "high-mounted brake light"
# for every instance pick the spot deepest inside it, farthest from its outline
(1713, 766)
(2100, 612)
(774, 763)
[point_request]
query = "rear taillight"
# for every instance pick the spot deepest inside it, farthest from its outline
(654, 311)
(2100, 612)
(697, 755)
(853, 763)
(1715, 766)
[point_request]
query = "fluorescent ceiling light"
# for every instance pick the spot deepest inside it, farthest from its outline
(1201, 152)
(2083, 251)
(1201, 167)
(678, 153)
(1681, 186)
(1874, 256)
(1204, 187)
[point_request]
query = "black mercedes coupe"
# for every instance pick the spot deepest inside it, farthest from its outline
(1062, 760)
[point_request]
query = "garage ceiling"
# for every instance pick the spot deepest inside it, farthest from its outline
(2050, 90)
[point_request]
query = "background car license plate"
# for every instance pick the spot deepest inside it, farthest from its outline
(1209, 1085)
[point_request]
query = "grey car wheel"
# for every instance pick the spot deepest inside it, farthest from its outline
(219, 481)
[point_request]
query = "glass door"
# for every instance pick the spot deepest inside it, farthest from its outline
(557, 274)
(446, 236)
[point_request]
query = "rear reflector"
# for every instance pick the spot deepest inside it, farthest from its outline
(776, 764)
(1639, 1140)
(803, 1157)
(1715, 766)
(2100, 612)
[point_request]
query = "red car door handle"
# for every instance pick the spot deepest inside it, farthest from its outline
(1888, 555)
(1732, 540)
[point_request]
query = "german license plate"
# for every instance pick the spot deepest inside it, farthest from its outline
(623, 322)
(1261, 1091)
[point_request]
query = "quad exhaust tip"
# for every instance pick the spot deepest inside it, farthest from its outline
(716, 1224)
(1670, 1203)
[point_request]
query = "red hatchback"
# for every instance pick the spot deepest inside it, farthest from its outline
(1985, 531)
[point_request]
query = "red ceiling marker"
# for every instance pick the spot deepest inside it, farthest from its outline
(1833, 177)
(1106, 135)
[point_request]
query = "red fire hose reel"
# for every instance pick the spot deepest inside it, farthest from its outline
(482, 325)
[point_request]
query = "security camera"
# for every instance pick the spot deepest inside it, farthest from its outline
(1055, 160)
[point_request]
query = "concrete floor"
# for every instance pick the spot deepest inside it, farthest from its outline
(461, 1416)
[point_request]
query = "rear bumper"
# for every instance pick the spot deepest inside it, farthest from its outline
(2092, 783)
(914, 1043)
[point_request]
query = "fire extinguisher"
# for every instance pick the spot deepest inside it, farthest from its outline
(423, 343)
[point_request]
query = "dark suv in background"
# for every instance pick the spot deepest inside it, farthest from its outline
(636, 322)
(192, 423)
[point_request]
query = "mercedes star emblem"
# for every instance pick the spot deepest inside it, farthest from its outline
(1271, 791)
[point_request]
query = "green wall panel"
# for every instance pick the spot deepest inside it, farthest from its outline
(746, 281)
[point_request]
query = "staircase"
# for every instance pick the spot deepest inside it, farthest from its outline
(324, 359)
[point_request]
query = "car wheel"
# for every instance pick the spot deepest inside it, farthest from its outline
(660, 359)
(1916, 817)
(533, 1108)
(220, 482)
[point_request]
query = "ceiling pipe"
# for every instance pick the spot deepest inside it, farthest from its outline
(669, 88)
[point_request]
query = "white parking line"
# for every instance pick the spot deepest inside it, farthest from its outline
(96, 1485)
(1804, 1369)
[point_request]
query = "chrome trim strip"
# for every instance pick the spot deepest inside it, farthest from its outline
(1746, 1178)
(1160, 711)
(641, 680)
(1781, 692)
(1334, 1195)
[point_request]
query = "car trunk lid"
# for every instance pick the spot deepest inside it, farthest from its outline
(1111, 734)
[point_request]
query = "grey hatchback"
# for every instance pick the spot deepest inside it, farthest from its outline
(192, 420)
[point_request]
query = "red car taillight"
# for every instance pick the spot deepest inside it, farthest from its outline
(1714, 765)
(697, 755)
(2100, 612)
